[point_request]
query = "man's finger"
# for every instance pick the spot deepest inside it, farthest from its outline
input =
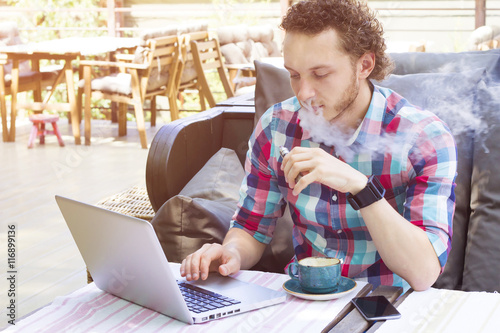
(224, 270)
(193, 266)
(230, 264)
(183, 268)
(211, 254)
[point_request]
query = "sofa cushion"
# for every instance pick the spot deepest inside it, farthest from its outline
(184, 224)
(202, 211)
(424, 62)
(189, 73)
(272, 86)
(170, 30)
(452, 96)
(482, 254)
(263, 34)
(232, 34)
(243, 45)
(481, 35)
(219, 179)
(233, 54)
(147, 34)
(259, 51)
(119, 83)
(158, 77)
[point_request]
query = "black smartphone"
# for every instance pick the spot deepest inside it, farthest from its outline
(376, 308)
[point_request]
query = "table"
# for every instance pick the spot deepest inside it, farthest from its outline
(66, 50)
(447, 311)
(433, 310)
(90, 309)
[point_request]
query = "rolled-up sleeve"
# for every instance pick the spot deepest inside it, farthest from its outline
(430, 199)
(261, 203)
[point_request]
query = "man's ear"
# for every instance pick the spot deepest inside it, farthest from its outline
(366, 63)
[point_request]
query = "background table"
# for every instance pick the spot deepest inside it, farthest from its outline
(65, 50)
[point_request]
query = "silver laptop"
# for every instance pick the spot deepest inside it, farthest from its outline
(125, 258)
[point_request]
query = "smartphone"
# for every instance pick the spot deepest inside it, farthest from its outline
(376, 308)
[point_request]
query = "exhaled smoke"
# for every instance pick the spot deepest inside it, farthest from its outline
(321, 131)
(458, 94)
(466, 101)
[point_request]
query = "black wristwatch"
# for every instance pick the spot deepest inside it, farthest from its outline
(373, 192)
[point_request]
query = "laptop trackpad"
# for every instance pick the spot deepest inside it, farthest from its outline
(234, 288)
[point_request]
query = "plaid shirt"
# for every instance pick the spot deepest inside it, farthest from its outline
(410, 150)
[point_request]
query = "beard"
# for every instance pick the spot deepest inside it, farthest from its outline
(330, 132)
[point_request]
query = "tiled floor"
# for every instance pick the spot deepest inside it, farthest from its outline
(48, 263)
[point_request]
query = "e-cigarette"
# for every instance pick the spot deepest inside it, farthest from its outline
(283, 152)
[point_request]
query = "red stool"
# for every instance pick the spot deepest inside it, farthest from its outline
(38, 129)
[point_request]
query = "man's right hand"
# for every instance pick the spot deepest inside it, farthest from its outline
(239, 251)
(210, 258)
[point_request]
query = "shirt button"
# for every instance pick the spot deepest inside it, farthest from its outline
(334, 198)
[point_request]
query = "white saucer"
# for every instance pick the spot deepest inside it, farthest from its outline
(346, 285)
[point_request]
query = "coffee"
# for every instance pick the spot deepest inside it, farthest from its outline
(319, 261)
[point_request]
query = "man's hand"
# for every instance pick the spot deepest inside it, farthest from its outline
(316, 165)
(239, 251)
(210, 258)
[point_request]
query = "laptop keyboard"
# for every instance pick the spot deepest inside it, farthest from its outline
(201, 300)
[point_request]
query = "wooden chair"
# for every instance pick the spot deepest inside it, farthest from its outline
(189, 78)
(29, 80)
(207, 57)
(153, 70)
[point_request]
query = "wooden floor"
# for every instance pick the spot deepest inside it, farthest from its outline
(48, 263)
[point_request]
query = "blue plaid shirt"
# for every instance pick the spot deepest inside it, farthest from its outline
(410, 150)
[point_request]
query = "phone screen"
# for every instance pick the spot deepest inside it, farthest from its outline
(376, 308)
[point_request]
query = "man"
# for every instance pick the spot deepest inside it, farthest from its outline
(376, 185)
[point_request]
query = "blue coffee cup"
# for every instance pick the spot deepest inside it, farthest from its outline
(316, 275)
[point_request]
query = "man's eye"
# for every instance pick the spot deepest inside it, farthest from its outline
(320, 75)
(294, 76)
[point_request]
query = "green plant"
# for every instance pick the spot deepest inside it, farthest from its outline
(57, 20)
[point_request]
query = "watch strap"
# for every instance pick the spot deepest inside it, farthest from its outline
(373, 192)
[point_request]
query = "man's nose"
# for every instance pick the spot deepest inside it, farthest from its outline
(306, 91)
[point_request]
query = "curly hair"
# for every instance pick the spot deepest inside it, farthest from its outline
(359, 30)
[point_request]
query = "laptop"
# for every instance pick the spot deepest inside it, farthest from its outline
(125, 258)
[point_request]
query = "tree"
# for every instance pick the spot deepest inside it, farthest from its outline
(51, 19)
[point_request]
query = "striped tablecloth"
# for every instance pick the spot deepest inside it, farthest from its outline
(447, 311)
(90, 309)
